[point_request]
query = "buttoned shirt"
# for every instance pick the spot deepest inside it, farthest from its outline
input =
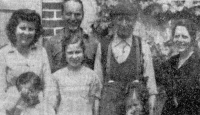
(121, 48)
(148, 68)
(13, 64)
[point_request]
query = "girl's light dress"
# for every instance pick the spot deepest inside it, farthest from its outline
(77, 89)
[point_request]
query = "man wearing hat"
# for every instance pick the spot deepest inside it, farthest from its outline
(125, 59)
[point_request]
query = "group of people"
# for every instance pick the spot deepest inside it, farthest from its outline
(75, 73)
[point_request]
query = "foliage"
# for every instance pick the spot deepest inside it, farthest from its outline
(156, 18)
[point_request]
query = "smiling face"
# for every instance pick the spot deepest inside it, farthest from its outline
(72, 15)
(25, 33)
(182, 38)
(74, 55)
(29, 93)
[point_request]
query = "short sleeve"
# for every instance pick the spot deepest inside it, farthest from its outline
(48, 79)
(95, 86)
(50, 85)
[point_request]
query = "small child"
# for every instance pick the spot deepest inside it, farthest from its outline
(30, 87)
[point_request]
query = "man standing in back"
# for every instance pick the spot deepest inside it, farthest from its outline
(125, 59)
(73, 15)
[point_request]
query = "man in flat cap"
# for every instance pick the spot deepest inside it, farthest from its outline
(126, 59)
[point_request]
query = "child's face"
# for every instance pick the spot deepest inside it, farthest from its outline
(25, 87)
(74, 55)
(29, 93)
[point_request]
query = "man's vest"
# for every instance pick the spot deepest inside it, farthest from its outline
(107, 53)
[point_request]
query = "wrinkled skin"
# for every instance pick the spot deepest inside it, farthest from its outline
(72, 15)
(182, 39)
(124, 25)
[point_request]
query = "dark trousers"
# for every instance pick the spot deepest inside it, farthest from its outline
(113, 99)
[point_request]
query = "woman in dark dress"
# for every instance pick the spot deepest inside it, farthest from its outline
(181, 73)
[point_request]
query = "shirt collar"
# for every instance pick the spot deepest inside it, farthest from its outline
(118, 40)
(13, 49)
(66, 32)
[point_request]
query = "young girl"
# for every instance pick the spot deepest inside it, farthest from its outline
(30, 102)
(78, 86)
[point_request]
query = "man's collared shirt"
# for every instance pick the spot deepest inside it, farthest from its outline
(121, 48)
(147, 61)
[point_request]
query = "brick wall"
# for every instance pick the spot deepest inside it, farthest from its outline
(52, 17)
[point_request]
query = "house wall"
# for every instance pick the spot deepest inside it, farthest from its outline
(50, 11)
(52, 16)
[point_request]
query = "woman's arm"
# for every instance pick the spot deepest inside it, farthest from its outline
(2, 83)
(95, 93)
(49, 84)
(48, 46)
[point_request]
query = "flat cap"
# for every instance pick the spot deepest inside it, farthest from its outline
(124, 9)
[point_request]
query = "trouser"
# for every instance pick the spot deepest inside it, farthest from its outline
(112, 99)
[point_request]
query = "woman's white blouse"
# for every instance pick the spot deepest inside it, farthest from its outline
(12, 64)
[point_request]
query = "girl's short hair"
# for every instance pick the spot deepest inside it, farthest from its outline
(27, 77)
(24, 15)
(67, 42)
(191, 28)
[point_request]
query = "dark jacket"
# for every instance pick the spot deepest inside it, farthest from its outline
(180, 81)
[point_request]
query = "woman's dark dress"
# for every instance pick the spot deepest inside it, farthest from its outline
(182, 83)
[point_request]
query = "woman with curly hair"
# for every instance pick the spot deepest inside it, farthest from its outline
(180, 74)
(21, 55)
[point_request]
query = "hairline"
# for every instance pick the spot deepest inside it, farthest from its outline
(78, 1)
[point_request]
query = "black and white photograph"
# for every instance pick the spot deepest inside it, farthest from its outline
(99, 57)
